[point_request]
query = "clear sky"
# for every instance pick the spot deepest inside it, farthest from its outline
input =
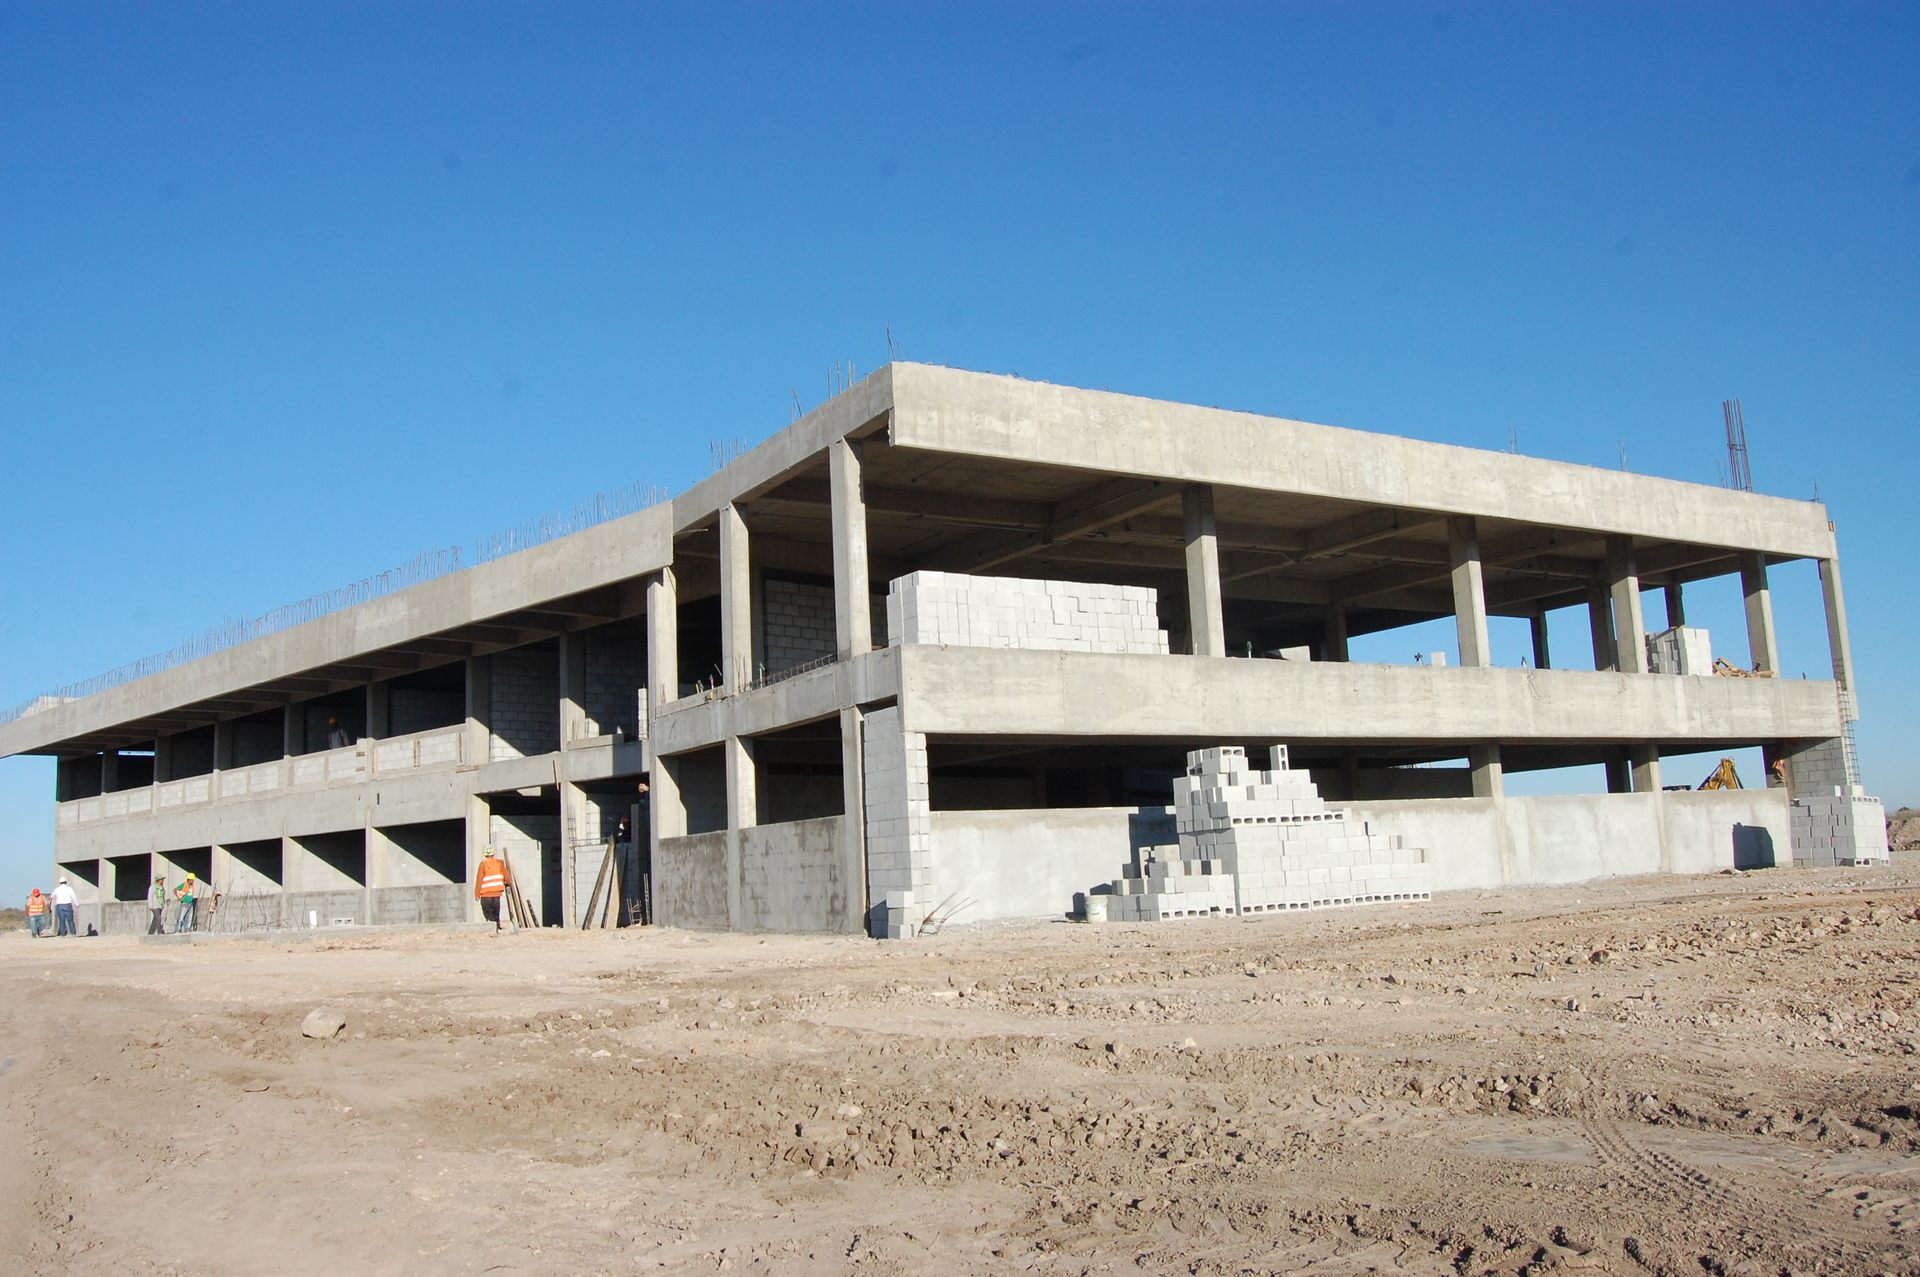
(289, 293)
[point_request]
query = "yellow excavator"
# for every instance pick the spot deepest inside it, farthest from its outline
(1723, 777)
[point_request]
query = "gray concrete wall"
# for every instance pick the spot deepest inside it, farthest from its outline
(793, 876)
(1576, 837)
(1026, 864)
(690, 881)
(327, 905)
(1744, 828)
(413, 906)
(1029, 863)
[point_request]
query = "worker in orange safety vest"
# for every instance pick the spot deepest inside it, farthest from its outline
(36, 913)
(489, 884)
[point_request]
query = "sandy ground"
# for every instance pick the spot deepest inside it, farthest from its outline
(1670, 1075)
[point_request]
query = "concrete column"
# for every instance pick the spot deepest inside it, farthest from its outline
(1469, 591)
(663, 643)
(1842, 651)
(1542, 656)
(853, 790)
(223, 745)
(1838, 644)
(1335, 643)
(573, 688)
(479, 710)
(1645, 761)
(293, 874)
(293, 731)
(573, 829)
(1600, 623)
(379, 859)
(1676, 605)
(162, 760)
(666, 812)
(743, 812)
(1619, 776)
(379, 701)
(1762, 645)
(1629, 630)
(220, 870)
(852, 595)
(1205, 618)
(1489, 780)
(479, 835)
(736, 598)
(109, 770)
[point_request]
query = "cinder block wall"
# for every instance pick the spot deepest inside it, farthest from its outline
(616, 671)
(899, 812)
(417, 710)
(526, 703)
(799, 624)
(993, 611)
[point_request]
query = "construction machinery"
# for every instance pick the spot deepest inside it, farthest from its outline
(1723, 777)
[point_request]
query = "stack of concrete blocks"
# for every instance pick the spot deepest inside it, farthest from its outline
(957, 610)
(899, 825)
(1844, 827)
(1681, 650)
(1261, 842)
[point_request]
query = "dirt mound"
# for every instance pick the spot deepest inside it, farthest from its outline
(1903, 830)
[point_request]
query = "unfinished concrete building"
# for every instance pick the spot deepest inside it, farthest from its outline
(950, 636)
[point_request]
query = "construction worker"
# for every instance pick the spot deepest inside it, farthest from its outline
(186, 893)
(337, 737)
(63, 903)
(36, 913)
(489, 884)
(157, 905)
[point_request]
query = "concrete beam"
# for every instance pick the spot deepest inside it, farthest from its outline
(697, 722)
(1363, 529)
(994, 691)
(976, 511)
(1087, 511)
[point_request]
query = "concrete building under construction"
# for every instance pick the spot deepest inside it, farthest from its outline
(949, 638)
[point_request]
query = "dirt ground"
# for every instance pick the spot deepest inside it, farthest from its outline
(1677, 1075)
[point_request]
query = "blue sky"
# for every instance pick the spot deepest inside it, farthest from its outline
(289, 293)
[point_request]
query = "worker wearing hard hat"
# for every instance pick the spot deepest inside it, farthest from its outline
(489, 885)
